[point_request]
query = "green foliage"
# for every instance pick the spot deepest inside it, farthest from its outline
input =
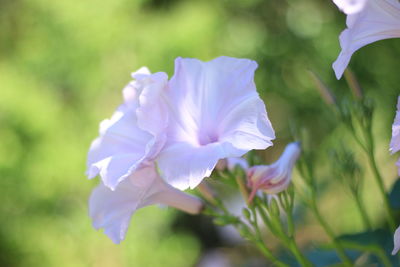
(63, 65)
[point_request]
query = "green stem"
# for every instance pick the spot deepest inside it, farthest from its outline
(358, 140)
(268, 222)
(290, 222)
(289, 241)
(257, 240)
(292, 242)
(260, 242)
(378, 178)
(267, 253)
(378, 251)
(363, 212)
(256, 237)
(337, 245)
(242, 189)
(298, 254)
(369, 149)
(309, 178)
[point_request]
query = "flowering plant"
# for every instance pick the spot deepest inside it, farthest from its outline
(200, 128)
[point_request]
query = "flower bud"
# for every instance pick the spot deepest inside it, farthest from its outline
(274, 207)
(225, 220)
(245, 232)
(246, 213)
(276, 177)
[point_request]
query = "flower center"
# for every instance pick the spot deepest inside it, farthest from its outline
(207, 138)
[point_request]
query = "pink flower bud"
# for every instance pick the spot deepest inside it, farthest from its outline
(276, 177)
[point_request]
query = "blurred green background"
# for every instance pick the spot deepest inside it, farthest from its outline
(63, 65)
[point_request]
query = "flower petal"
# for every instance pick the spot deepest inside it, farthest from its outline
(396, 240)
(129, 92)
(350, 6)
(276, 177)
(247, 126)
(112, 210)
(134, 134)
(184, 165)
(395, 142)
(120, 149)
(151, 111)
(213, 102)
(378, 20)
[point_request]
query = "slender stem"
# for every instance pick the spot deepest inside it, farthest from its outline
(308, 176)
(267, 253)
(378, 251)
(298, 254)
(361, 209)
(358, 140)
(338, 247)
(258, 235)
(289, 241)
(268, 222)
(207, 193)
(258, 241)
(292, 242)
(378, 178)
(242, 189)
(369, 149)
(290, 222)
(263, 248)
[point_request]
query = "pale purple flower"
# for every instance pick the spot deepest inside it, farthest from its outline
(276, 177)
(367, 21)
(207, 112)
(215, 113)
(395, 142)
(350, 6)
(135, 133)
(396, 240)
(112, 210)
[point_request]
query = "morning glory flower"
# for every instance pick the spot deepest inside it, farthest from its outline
(395, 142)
(396, 240)
(135, 133)
(112, 210)
(276, 177)
(215, 113)
(350, 6)
(367, 21)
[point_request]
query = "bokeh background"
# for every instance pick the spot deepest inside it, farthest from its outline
(62, 67)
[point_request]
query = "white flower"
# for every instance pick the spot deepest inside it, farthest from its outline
(350, 6)
(396, 240)
(207, 112)
(112, 210)
(215, 113)
(395, 142)
(367, 21)
(135, 133)
(276, 177)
